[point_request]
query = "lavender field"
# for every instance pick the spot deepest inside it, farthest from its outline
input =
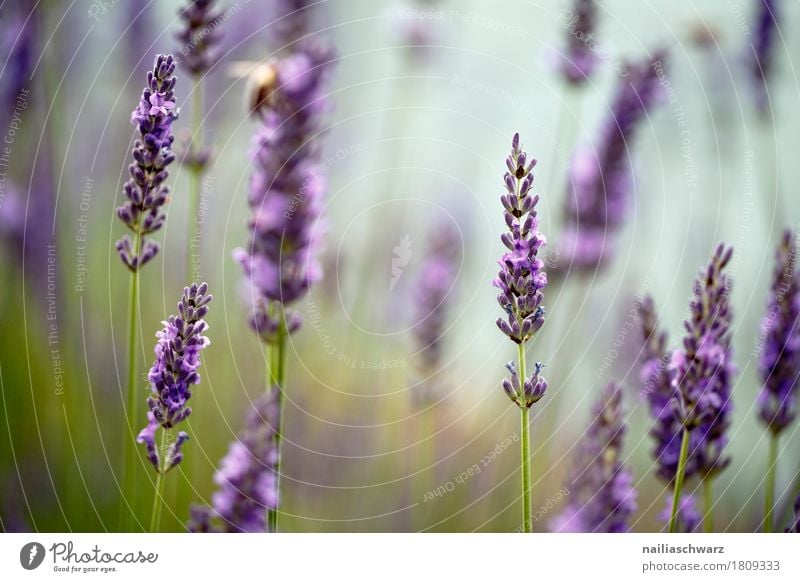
(403, 266)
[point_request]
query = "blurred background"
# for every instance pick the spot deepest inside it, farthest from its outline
(425, 99)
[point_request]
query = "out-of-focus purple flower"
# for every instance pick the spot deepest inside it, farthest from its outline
(763, 51)
(702, 369)
(521, 277)
(601, 176)
(286, 192)
(18, 45)
(794, 526)
(175, 371)
(779, 363)
(12, 218)
(661, 396)
(688, 516)
(145, 190)
(432, 289)
(580, 58)
(602, 497)
(199, 35)
(247, 476)
(292, 24)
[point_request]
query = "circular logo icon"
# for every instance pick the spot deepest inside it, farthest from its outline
(31, 555)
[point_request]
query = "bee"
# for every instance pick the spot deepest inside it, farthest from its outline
(261, 82)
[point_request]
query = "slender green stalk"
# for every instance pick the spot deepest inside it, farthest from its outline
(195, 175)
(769, 494)
(277, 378)
(525, 449)
(708, 501)
(676, 498)
(158, 500)
(127, 516)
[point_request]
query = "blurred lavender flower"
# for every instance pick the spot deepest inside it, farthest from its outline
(521, 277)
(145, 190)
(779, 363)
(199, 35)
(763, 52)
(286, 192)
(177, 351)
(18, 31)
(292, 24)
(702, 369)
(247, 478)
(602, 497)
(661, 396)
(580, 58)
(432, 289)
(794, 526)
(688, 516)
(601, 176)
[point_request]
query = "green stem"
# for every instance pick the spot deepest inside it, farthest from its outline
(155, 516)
(277, 378)
(525, 460)
(769, 494)
(128, 516)
(195, 175)
(676, 498)
(708, 501)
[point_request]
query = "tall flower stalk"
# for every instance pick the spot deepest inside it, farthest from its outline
(520, 280)
(171, 377)
(701, 375)
(146, 193)
(602, 497)
(601, 175)
(199, 36)
(779, 363)
(247, 479)
(286, 198)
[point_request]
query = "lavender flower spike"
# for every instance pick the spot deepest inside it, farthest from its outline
(689, 517)
(286, 193)
(199, 35)
(602, 497)
(175, 370)
(580, 59)
(601, 175)
(145, 190)
(763, 52)
(779, 363)
(702, 370)
(247, 478)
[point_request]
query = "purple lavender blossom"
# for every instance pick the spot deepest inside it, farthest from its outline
(779, 363)
(794, 526)
(200, 35)
(175, 370)
(521, 277)
(602, 497)
(703, 368)
(580, 59)
(689, 517)
(145, 190)
(286, 193)
(247, 477)
(292, 24)
(432, 289)
(601, 176)
(763, 52)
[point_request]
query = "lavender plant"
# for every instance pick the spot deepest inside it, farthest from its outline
(794, 526)
(763, 52)
(580, 59)
(601, 176)
(688, 517)
(199, 36)
(520, 280)
(701, 373)
(171, 377)
(247, 479)
(602, 497)
(146, 194)
(779, 363)
(286, 198)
